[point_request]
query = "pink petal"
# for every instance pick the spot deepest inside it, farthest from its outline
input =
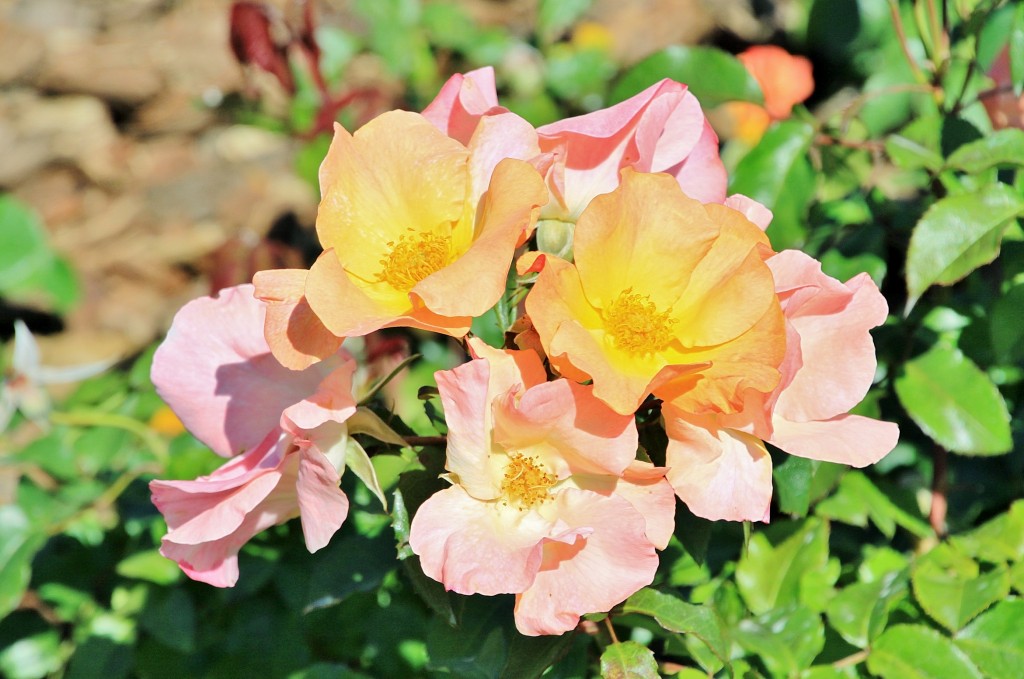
(323, 505)
(723, 474)
(498, 136)
(647, 489)
(846, 439)
(297, 338)
(465, 397)
(751, 209)
(216, 372)
(595, 571)
(331, 402)
(837, 352)
(701, 174)
(475, 547)
(591, 437)
(462, 101)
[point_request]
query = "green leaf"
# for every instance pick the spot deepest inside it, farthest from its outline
(857, 500)
(860, 612)
(951, 588)
(1003, 147)
(628, 660)
(554, 17)
(676, 615)
(957, 235)
(999, 540)
(1016, 51)
(995, 641)
(955, 403)
(1006, 328)
(33, 657)
(918, 145)
(777, 173)
(786, 640)
(793, 484)
(150, 565)
(774, 573)
(431, 591)
(918, 652)
(18, 544)
(714, 76)
(170, 616)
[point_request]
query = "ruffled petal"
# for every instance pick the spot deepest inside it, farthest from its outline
(462, 101)
(723, 474)
(475, 547)
(296, 336)
(216, 372)
(598, 569)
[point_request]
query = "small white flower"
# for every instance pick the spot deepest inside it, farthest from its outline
(22, 386)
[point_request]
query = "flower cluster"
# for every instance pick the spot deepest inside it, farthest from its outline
(650, 290)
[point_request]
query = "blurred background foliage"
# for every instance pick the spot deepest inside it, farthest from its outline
(905, 163)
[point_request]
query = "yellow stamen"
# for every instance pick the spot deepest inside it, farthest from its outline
(526, 483)
(635, 324)
(415, 256)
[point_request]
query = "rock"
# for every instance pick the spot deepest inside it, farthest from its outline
(23, 52)
(117, 69)
(36, 131)
(174, 111)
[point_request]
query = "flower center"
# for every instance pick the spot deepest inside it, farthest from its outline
(635, 324)
(415, 256)
(526, 482)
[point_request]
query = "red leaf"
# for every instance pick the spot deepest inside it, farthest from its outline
(252, 42)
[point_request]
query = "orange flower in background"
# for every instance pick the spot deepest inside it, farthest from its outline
(418, 231)
(785, 79)
(666, 295)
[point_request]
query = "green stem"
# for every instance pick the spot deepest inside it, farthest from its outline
(93, 418)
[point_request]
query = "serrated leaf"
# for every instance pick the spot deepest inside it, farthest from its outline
(628, 660)
(951, 589)
(995, 641)
(777, 173)
(713, 75)
(786, 640)
(955, 403)
(957, 235)
(676, 615)
(999, 540)
(860, 612)
(857, 499)
(772, 575)
(1003, 147)
(918, 652)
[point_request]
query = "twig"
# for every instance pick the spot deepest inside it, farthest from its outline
(426, 440)
(897, 22)
(940, 489)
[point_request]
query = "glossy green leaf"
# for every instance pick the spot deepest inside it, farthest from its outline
(955, 403)
(918, 652)
(918, 145)
(951, 588)
(999, 540)
(858, 499)
(777, 173)
(773, 573)
(860, 612)
(1003, 147)
(628, 660)
(786, 640)
(958, 234)
(676, 615)
(995, 641)
(714, 76)
(18, 544)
